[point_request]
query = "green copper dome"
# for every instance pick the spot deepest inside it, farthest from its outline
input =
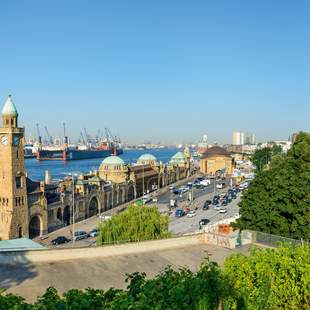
(178, 158)
(147, 157)
(113, 160)
(9, 108)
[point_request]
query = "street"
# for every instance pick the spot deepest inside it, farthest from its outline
(177, 226)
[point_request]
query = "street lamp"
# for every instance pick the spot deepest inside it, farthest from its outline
(73, 175)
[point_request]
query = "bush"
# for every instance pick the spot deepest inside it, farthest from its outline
(137, 223)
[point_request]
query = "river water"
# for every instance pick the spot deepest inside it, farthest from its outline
(60, 169)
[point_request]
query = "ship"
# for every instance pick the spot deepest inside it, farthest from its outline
(80, 152)
(87, 148)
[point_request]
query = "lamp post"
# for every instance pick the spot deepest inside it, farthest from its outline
(73, 205)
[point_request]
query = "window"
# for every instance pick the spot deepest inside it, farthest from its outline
(18, 182)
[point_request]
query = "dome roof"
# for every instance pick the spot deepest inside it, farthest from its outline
(147, 157)
(179, 155)
(113, 160)
(215, 150)
(9, 108)
(178, 158)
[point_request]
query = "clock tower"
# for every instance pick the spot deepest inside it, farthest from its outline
(13, 190)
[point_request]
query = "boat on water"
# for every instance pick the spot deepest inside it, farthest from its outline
(76, 154)
(79, 152)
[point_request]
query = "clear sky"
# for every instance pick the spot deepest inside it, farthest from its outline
(162, 70)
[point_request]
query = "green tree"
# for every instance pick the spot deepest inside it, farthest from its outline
(278, 199)
(262, 157)
(269, 278)
(137, 223)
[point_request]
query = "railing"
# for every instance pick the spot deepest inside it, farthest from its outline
(273, 240)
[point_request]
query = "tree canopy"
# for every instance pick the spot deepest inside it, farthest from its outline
(278, 199)
(265, 279)
(262, 157)
(136, 223)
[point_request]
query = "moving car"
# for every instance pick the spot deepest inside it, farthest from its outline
(204, 222)
(223, 210)
(80, 234)
(60, 240)
(191, 214)
(217, 207)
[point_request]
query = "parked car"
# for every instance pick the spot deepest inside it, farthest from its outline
(215, 201)
(217, 207)
(203, 222)
(171, 187)
(224, 202)
(205, 182)
(80, 234)
(179, 213)
(189, 184)
(154, 199)
(173, 203)
(220, 185)
(176, 191)
(191, 214)
(94, 232)
(60, 240)
(206, 205)
(147, 198)
(186, 210)
(105, 217)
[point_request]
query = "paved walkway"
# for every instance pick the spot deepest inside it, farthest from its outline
(29, 280)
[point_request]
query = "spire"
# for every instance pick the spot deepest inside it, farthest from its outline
(9, 108)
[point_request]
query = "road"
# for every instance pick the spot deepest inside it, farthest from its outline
(178, 226)
(184, 225)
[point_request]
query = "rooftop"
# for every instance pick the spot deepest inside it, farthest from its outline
(215, 150)
(9, 108)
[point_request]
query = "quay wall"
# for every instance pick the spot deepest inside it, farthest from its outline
(55, 255)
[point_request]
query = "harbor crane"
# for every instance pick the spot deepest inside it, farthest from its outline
(87, 137)
(65, 135)
(49, 137)
(110, 137)
(39, 134)
(82, 137)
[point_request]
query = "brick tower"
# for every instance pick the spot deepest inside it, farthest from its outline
(13, 191)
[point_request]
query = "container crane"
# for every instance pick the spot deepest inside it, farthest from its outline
(39, 135)
(82, 137)
(50, 138)
(65, 135)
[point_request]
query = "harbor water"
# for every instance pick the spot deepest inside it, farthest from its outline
(59, 169)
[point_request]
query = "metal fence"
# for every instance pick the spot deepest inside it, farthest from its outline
(273, 240)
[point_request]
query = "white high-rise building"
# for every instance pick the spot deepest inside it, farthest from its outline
(238, 138)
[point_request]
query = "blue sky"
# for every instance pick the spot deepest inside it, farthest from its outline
(164, 70)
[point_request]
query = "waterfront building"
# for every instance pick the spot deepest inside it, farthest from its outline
(216, 160)
(238, 138)
(29, 208)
